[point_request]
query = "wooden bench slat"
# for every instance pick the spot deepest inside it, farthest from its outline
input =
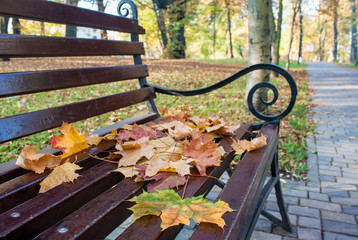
(60, 13)
(100, 216)
(13, 45)
(46, 209)
(148, 227)
(10, 170)
(241, 191)
(12, 84)
(13, 127)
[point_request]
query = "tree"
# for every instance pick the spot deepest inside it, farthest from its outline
(335, 30)
(296, 4)
(276, 36)
(71, 31)
(354, 54)
(228, 11)
(301, 35)
(259, 15)
(4, 22)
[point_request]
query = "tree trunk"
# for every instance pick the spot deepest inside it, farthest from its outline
(71, 31)
(335, 31)
(214, 18)
(354, 54)
(276, 38)
(42, 29)
(101, 8)
(16, 26)
(295, 8)
(177, 12)
(160, 18)
(228, 10)
(259, 47)
(299, 60)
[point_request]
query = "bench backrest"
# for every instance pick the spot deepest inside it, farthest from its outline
(19, 83)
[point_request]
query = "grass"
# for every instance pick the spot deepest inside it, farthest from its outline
(348, 65)
(179, 74)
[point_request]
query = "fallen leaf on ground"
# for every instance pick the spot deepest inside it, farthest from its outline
(173, 210)
(176, 129)
(31, 160)
(136, 132)
(94, 139)
(244, 145)
(132, 155)
(128, 172)
(164, 181)
(61, 174)
(157, 164)
(71, 142)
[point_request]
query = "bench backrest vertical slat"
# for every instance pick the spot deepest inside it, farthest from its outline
(47, 11)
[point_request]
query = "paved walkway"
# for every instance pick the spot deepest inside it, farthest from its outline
(327, 207)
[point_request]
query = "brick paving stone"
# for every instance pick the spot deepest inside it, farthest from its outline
(327, 178)
(309, 222)
(280, 231)
(336, 236)
(309, 234)
(338, 217)
(331, 173)
(340, 186)
(256, 235)
(293, 218)
(324, 162)
(347, 180)
(339, 227)
(350, 170)
(350, 210)
(318, 196)
(320, 205)
(294, 193)
(344, 200)
(344, 160)
(354, 194)
(263, 225)
(350, 175)
(271, 206)
(331, 168)
(303, 211)
(352, 166)
(290, 200)
(335, 192)
(339, 164)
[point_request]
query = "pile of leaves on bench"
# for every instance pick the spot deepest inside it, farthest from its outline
(162, 153)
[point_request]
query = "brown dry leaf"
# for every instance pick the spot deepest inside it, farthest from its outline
(61, 174)
(31, 160)
(164, 180)
(157, 164)
(94, 139)
(136, 132)
(203, 152)
(131, 156)
(128, 172)
(244, 145)
(176, 129)
(163, 143)
(71, 142)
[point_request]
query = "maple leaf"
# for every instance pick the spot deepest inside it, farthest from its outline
(163, 143)
(244, 145)
(164, 181)
(175, 128)
(136, 132)
(128, 172)
(31, 160)
(131, 156)
(61, 174)
(94, 139)
(203, 152)
(71, 142)
(157, 164)
(173, 210)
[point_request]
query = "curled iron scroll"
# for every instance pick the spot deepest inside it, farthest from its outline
(264, 66)
(124, 10)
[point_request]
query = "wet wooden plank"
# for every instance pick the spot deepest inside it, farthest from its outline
(242, 191)
(12, 84)
(46, 209)
(60, 13)
(29, 123)
(10, 170)
(13, 45)
(148, 227)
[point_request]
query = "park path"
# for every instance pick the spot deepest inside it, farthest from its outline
(326, 207)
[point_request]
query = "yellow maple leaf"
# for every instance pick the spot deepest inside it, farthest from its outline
(157, 164)
(244, 145)
(71, 142)
(94, 139)
(31, 160)
(173, 210)
(61, 174)
(132, 155)
(128, 172)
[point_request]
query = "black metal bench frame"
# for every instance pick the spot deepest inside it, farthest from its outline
(16, 182)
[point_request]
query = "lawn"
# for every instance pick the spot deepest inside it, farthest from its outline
(179, 74)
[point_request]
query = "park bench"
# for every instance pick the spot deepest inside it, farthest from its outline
(94, 206)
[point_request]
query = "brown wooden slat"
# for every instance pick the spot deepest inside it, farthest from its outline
(10, 170)
(46, 209)
(12, 84)
(60, 13)
(25, 124)
(13, 45)
(242, 190)
(99, 217)
(148, 227)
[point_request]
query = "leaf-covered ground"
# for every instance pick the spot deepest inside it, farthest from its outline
(179, 74)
